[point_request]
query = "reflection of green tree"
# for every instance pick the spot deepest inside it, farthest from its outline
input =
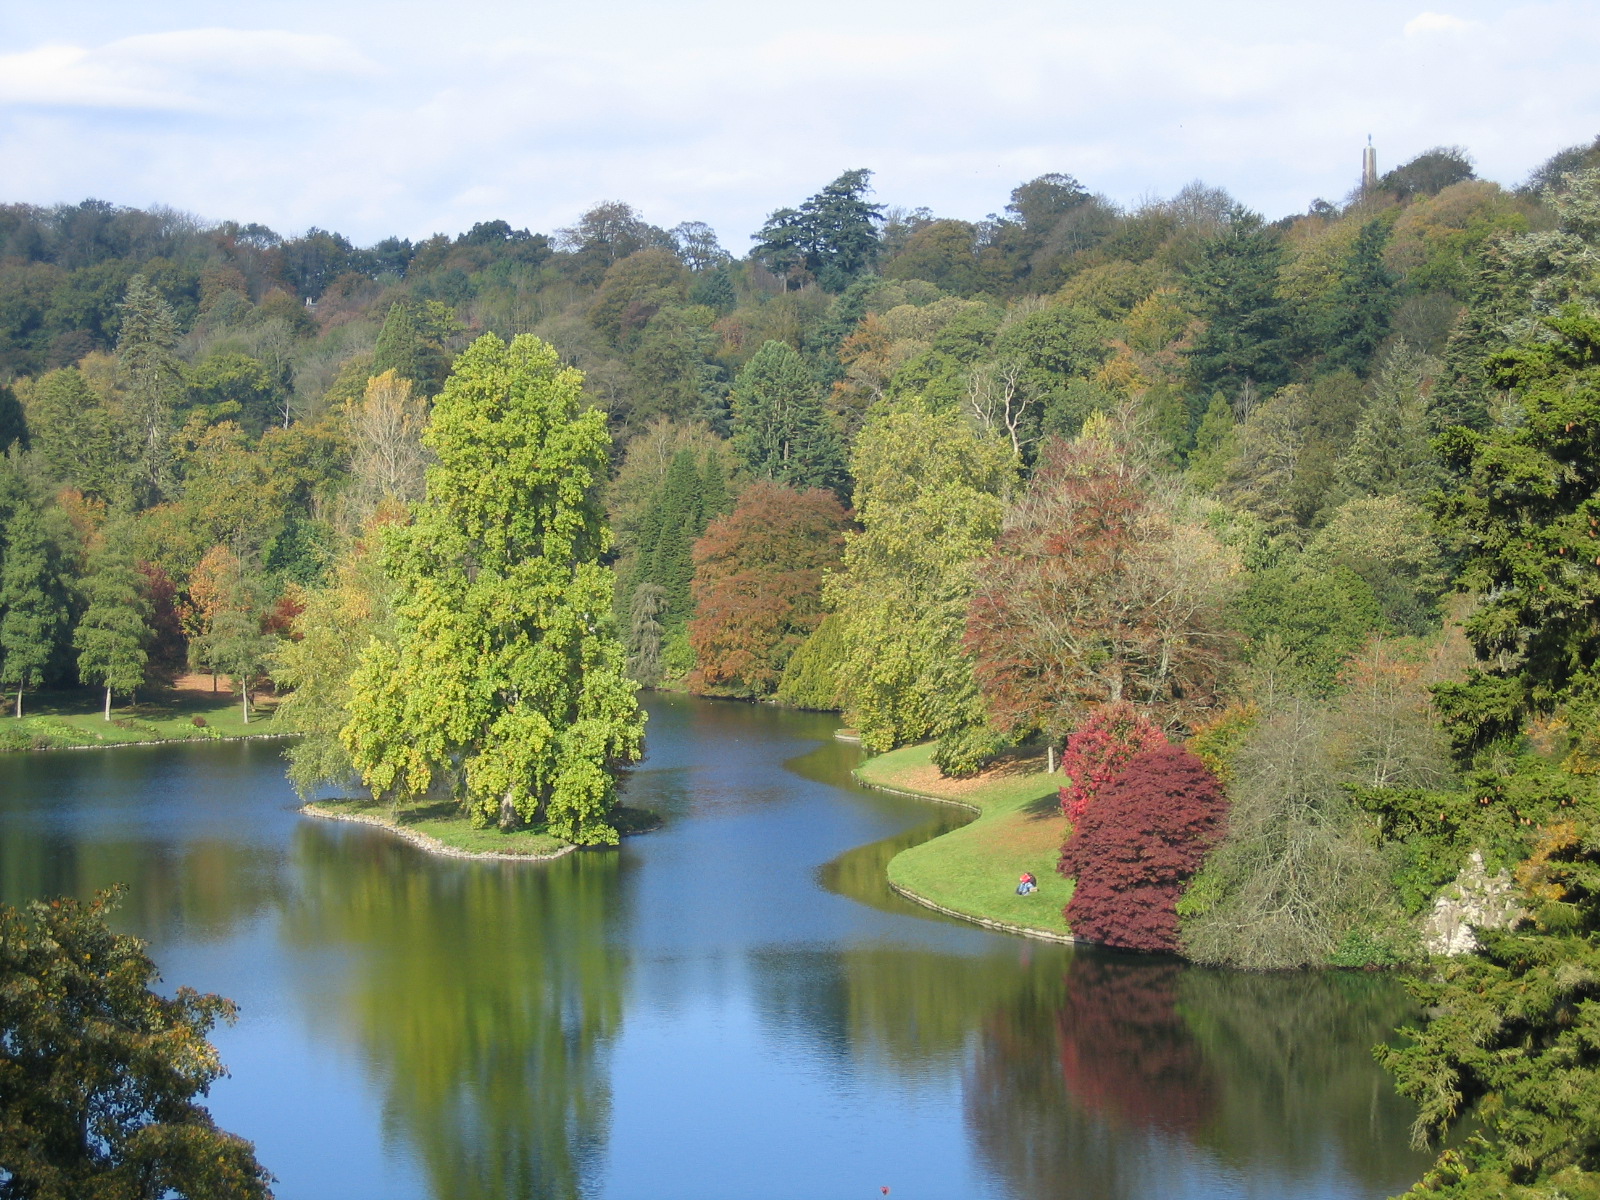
(1272, 1073)
(202, 887)
(484, 996)
(1293, 1053)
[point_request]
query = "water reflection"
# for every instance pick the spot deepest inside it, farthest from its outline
(673, 1018)
(484, 999)
(1149, 1077)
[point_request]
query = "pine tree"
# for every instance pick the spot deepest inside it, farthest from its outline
(1234, 285)
(114, 632)
(780, 428)
(1392, 451)
(412, 344)
(147, 357)
(505, 679)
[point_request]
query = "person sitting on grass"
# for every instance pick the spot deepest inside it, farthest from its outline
(1027, 884)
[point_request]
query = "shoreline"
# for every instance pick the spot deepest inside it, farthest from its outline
(427, 842)
(173, 741)
(991, 923)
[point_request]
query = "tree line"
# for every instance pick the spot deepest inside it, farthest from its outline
(1278, 530)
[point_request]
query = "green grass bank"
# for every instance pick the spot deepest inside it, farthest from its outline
(972, 871)
(438, 827)
(54, 720)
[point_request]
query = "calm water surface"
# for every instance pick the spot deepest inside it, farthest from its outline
(734, 1006)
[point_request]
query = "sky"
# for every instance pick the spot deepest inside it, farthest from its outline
(397, 117)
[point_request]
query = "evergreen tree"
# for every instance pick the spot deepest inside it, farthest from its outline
(148, 359)
(114, 632)
(1392, 451)
(505, 680)
(76, 437)
(833, 234)
(1350, 322)
(780, 428)
(645, 633)
(33, 607)
(1215, 444)
(412, 344)
(1233, 286)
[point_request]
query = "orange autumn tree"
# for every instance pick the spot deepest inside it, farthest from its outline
(1100, 591)
(758, 586)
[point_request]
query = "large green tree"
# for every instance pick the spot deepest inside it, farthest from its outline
(833, 234)
(929, 498)
(505, 681)
(1233, 287)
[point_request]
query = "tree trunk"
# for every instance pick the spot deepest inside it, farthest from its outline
(19, 702)
(508, 812)
(108, 702)
(213, 681)
(244, 702)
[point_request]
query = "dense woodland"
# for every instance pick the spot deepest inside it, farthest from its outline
(1284, 534)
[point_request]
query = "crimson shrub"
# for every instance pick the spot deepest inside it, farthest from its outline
(1145, 834)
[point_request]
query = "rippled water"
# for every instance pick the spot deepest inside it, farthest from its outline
(734, 1006)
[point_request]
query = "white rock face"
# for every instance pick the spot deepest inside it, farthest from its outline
(1475, 898)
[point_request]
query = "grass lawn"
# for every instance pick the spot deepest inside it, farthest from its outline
(75, 717)
(441, 821)
(974, 869)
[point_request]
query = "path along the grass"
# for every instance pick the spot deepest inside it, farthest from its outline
(973, 871)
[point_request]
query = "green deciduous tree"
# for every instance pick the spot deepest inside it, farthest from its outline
(339, 618)
(114, 632)
(100, 1075)
(929, 499)
(505, 681)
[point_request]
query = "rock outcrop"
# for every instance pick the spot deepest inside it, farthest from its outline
(1476, 898)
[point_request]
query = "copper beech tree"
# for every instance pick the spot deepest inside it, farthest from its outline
(758, 585)
(1097, 593)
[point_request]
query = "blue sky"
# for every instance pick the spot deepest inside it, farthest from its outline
(411, 118)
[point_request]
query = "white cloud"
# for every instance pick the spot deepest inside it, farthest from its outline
(184, 70)
(1427, 23)
(704, 111)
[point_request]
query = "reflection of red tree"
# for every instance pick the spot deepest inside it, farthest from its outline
(1125, 1051)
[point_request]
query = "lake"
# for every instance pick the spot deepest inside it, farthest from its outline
(732, 1006)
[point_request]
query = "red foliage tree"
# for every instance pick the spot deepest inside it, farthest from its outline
(1144, 836)
(1096, 593)
(1099, 749)
(758, 585)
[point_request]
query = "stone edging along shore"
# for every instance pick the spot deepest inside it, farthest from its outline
(178, 741)
(1043, 935)
(427, 842)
